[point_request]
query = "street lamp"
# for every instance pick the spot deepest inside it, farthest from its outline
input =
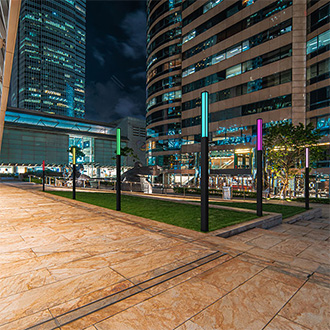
(118, 206)
(204, 164)
(259, 167)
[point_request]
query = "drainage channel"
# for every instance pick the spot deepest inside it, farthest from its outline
(97, 305)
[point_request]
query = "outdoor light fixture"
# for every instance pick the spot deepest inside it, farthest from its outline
(43, 175)
(205, 113)
(205, 164)
(259, 134)
(118, 206)
(74, 172)
(259, 167)
(307, 180)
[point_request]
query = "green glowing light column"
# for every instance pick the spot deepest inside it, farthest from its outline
(205, 164)
(74, 172)
(118, 206)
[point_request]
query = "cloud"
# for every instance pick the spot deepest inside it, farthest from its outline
(98, 56)
(134, 26)
(107, 102)
(139, 75)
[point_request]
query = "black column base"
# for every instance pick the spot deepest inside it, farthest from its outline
(118, 184)
(259, 183)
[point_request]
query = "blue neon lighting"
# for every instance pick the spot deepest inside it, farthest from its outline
(205, 114)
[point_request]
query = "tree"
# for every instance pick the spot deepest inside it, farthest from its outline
(79, 152)
(128, 152)
(285, 145)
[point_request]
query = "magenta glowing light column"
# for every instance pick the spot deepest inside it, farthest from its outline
(43, 175)
(259, 134)
(307, 180)
(259, 167)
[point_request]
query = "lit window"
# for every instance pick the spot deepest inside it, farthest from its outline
(234, 71)
(218, 58)
(324, 39)
(233, 51)
(311, 45)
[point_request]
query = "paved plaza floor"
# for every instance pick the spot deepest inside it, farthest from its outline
(69, 265)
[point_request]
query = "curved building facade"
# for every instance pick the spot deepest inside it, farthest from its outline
(264, 59)
(163, 117)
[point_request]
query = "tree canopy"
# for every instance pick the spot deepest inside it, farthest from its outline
(79, 151)
(285, 149)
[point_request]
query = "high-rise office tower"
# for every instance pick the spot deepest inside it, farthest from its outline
(264, 59)
(49, 65)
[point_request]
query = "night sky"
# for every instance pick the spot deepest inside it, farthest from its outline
(115, 59)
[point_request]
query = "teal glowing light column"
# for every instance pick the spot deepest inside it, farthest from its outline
(205, 164)
(118, 206)
(259, 167)
(74, 172)
(307, 180)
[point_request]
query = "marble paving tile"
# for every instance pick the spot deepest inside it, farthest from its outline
(64, 247)
(42, 240)
(246, 236)
(155, 260)
(26, 322)
(189, 325)
(286, 276)
(321, 279)
(291, 247)
(189, 297)
(106, 312)
(281, 323)
(313, 312)
(317, 225)
(23, 282)
(230, 274)
(251, 306)
(50, 260)
(142, 316)
(298, 230)
(318, 234)
(11, 247)
(317, 253)
(142, 243)
(175, 305)
(16, 256)
(90, 297)
(265, 241)
(35, 300)
(77, 267)
(270, 255)
(224, 244)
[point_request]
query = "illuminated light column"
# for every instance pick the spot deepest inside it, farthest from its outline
(43, 175)
(74, 172)
(118, 206)
(259, 167)
(307, 180)
(205, 164)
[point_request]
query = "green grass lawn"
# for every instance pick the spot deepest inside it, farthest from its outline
(182, 215)
(286, 210)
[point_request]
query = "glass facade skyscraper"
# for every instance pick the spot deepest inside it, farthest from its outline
(49, 65)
